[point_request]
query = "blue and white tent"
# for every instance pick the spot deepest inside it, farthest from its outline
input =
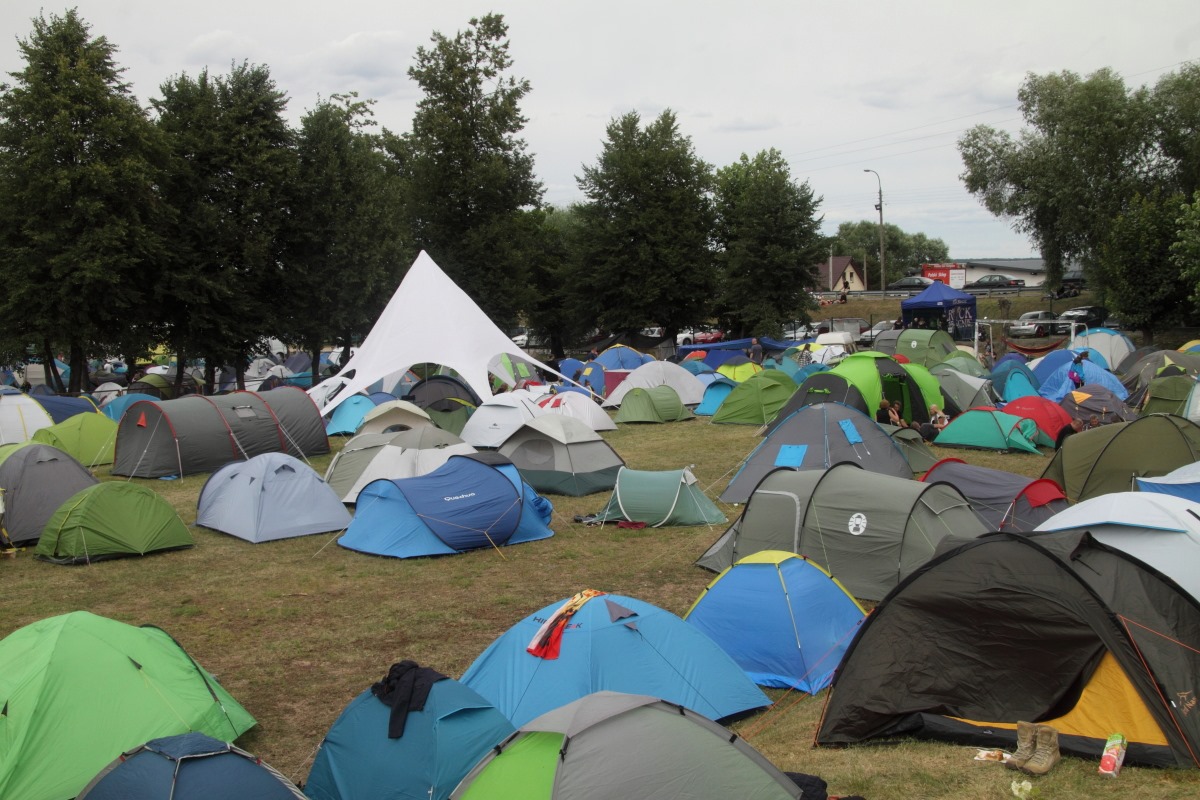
(471, 501)
(595, 642)
(1059, 383)
(437, 747)
(784, 619)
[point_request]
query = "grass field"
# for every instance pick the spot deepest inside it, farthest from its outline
(295, 629)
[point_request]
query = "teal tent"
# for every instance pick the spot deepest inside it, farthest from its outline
(671, 497)
(991, 430)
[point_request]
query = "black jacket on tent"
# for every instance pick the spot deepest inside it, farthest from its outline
(1008, 627)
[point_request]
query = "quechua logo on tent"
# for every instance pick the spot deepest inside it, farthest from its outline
(451, 498)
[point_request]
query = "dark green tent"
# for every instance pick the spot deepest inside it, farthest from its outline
(656, 404)
(110, 520)
(756, 400)
(1108, 458)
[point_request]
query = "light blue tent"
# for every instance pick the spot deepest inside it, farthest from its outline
(349, 415)
(471, 501)
(1013, 380)
(595, 642)
(620, 356)
(1059, 383)
(1047, 364)
(116, 407)
(270, 496)
(784, 619)
(714, 395)
(358, 760)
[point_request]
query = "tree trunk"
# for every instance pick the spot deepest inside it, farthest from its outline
(240, 368)
(50, 368)
(178, 372)
(314, 352)
(210, 376)
(79, 370)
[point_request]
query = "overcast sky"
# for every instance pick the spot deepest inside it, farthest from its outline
(836, 87)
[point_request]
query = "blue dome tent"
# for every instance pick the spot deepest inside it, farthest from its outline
(596, 641)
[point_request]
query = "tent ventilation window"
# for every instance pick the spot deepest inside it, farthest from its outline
(244, 412)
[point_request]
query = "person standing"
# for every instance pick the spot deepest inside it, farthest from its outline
(756, 351)
(804, 355)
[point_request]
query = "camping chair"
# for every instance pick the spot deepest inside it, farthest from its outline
(6, 545)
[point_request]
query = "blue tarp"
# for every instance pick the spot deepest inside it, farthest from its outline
(463, 505)
(782, 619)
(612, 643)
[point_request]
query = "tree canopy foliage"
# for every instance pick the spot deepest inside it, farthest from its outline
(646, 228)
(906, 252)
(768, 240)
(1081, 179)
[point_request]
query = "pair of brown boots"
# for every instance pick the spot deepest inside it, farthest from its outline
(1037, 749)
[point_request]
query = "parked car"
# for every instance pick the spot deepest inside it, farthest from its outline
(1032, 323)
(867, 338)
(913, 283)
(698, 336)
(798, 331)
(520, 337)
(995, 281)
(1085, 316)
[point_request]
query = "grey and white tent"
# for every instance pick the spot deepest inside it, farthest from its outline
(392, 456)
(817, 437)
(394, 416)
(35, 479)
(580, 406)
(659, 373)
(610, 745)
(20, 416)
(868, 530)
(271, 496)
(1157, 529)
(499, 417)
(557, 454)
(200, 434)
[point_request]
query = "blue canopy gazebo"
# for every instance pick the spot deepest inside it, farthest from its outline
(939, 302)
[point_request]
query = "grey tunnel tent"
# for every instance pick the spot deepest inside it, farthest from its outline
(200, 434)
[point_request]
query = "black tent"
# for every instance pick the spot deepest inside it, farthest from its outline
(1054, 628)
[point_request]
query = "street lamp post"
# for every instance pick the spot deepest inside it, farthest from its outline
(879, 207)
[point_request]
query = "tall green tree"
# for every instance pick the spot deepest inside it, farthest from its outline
(468, 173)
(906, 252)
(647, 227)
(1177, 118)
(347, 244)
(232, 161)
(80, 219)
(1146, 290)
(1185, 250)
(768, 240)
(1088, 148)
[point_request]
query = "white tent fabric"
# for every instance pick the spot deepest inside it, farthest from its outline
(659, 373)
(391, 414)
(1113, 345)
(579, 406)
(1159, 529)
(498, 418)
(105, 393)
(20, 416)
(428, 320)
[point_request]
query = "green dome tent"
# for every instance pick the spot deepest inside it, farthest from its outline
(863, 379)
(88, 438)
(110, 520)
(657, 404)
(756, 400)
(77, 690)
(1108, 458)
(919, 345)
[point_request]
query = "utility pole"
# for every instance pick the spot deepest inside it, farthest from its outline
(879, 207)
